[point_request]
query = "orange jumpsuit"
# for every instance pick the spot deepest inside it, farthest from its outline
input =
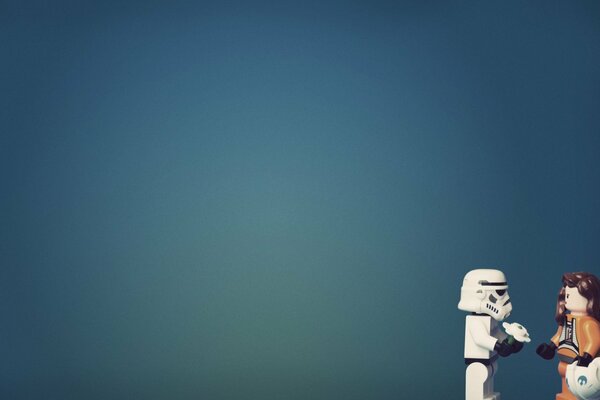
(577, 335)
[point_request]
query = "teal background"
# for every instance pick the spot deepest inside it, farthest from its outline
(279, 201)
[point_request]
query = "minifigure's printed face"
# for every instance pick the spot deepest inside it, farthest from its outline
(574, 301)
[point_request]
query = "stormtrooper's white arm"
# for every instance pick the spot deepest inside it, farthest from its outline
(501, 335)
(480, 336)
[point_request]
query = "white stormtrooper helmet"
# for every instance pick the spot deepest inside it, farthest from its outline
(584, 382)
(484, 292)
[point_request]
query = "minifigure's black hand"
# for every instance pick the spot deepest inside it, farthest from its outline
(584, 360)
(503, 348)
(546, 350)
(517, 346)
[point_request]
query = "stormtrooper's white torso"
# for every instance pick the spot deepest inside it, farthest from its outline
(481, 334)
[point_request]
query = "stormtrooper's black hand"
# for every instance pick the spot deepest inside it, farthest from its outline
(503, 348)
(546, 350)
(517, 346)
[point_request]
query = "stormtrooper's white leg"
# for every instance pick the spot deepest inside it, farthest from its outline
(476, 375)
(479, 382)
(490, 383)
(488, 387)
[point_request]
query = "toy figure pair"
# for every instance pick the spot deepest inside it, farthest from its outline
(577, 340)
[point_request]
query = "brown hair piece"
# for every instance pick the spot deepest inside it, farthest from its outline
(588, 285)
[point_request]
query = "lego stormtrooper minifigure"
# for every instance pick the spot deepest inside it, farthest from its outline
(484, 294)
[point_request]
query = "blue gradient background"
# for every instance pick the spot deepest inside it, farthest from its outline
(279, 201)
